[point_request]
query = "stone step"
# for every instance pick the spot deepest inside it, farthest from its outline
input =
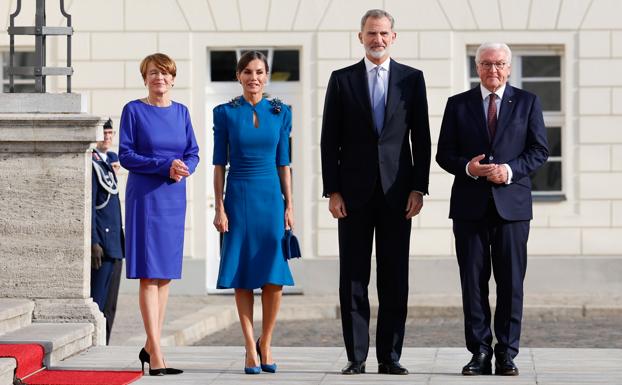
(7, 370)
(15, 313)
(60, 340)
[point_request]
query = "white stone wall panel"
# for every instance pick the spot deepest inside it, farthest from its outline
(435, 214)
(603, 14)
(198, 14)
(594, 158)
(431, 242)
(514, 13)
(600, 72)
(226, 15)
(96, 15)
(406, 46)
(600, 129)
(154, 15)
(459, 14)
(333, 45)
(589, 214)
(594, 101)
(616, 157)
(600, 186)
(175, 44)
(617, 213)
(111, 102)
(80, 47)
(282, 14)
(435, 71)
(543, 241)
(254, 14)
(595, 44)
(310, 14)
(123, 45)
(616, 43)
(543, 14)
(603, 241)
(419, 15)
(486, 14)
(327, 243)
(98, 74)
(571, 13)
(616, 101)
(346, 14)
(435, 45)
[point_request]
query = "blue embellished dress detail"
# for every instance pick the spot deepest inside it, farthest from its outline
(251, 254)
(155, 206)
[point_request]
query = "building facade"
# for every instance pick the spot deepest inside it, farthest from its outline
(569, 52)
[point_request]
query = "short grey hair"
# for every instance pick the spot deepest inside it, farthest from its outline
(493, 46)
(377, 14)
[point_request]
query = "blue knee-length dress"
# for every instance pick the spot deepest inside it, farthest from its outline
(251, 253)
(155, 206)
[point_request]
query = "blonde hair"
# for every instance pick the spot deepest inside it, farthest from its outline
(162, 62)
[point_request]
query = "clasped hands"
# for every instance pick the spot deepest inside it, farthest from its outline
(495, 173)
(178, 170)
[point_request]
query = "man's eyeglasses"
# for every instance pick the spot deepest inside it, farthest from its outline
(488, 66)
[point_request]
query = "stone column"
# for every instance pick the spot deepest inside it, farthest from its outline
(45, 206)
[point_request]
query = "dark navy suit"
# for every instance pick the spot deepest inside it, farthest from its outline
(375, 175)
(491, 221)
(107, 231)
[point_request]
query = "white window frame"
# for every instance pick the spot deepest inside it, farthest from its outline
(16, 81)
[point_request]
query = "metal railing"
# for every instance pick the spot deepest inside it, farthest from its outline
(40, 31)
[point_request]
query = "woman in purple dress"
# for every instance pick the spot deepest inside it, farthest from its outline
(158, 147)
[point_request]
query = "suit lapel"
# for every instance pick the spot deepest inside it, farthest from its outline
(360, 91)
(394, 91)
(505, 113)
(477, 111)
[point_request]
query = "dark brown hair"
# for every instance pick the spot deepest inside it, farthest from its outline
(249, 57)
(162, 62)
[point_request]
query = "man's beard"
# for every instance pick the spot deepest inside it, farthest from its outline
(377, 54)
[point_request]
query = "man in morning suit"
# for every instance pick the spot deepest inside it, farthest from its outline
(492, 138)
(107, 242)
(375, 182)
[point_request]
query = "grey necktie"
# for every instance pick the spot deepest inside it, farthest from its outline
(377, 100)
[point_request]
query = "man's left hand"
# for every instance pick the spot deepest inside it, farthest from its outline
(499, 175)
(414, 204)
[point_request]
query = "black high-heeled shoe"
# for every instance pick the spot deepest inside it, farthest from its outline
(143, 356)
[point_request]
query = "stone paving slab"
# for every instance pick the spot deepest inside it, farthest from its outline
(223, 365)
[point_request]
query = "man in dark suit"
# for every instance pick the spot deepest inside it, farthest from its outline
(107, 242)
(492, 138)
(375, 180)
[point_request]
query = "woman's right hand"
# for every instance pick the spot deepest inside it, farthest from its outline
(221, 222)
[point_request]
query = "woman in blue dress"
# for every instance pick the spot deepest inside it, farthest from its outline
(251, 133)
(158, 147)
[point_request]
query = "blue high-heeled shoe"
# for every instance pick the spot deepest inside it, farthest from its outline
(251, 369)
(270, 368)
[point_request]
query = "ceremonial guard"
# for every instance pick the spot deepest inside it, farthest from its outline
(107, 240)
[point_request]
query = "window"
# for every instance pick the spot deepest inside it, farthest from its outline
(539, 71)
(22, 83)
(284, 64)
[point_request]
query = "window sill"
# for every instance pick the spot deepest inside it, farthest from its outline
(549, 198)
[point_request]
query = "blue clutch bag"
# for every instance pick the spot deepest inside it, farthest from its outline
(291, 247)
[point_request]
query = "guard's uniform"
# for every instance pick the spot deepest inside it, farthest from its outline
(107, 231)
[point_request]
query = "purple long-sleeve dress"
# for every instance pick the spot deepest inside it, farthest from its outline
(155, 206)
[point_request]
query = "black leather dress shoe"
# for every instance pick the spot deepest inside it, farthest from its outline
(391, 368)
(354, 367)
(480, 363)
(504, 365)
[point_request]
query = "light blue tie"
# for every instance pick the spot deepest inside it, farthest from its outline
(377, 99)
